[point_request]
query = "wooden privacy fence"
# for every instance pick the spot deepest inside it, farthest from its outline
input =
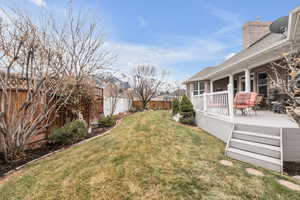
(155, 105)
(90, 111)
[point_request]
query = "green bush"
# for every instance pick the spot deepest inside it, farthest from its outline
(70, 133)
(175, 106)
(187, 120)
(186, 111)
(107, 122)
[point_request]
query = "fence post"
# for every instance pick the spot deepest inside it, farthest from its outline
(230, 101)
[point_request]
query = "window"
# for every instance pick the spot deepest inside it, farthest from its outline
(252, 82)
(262, 83)
(235, 83)
(201, 88)
(198, 88)
(243, 84)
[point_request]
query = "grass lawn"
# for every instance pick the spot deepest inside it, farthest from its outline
(147, 157)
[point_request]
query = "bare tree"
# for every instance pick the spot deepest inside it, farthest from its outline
(41, 68)
(147, 81)
(285, 76)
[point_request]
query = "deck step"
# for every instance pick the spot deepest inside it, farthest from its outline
(256, 137)
(258, 148)
(255, 159)
(258, 129)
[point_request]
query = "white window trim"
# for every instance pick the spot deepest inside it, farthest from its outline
(242, 79)
(199, 90)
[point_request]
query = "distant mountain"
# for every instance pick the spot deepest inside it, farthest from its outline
(102, 81)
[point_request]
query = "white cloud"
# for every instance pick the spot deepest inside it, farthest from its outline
(193, 50)
(142, 22)
(40, 3)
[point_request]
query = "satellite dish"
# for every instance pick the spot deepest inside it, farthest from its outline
(280, 25)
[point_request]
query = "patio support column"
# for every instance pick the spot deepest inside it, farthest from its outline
(247, 81)
(211, 86)
(231, 97)
(206, 86)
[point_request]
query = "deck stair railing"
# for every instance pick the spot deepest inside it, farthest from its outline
(219, 104)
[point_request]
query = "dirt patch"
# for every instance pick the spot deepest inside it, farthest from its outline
(254, 172)
(226, 163)
(289, 185)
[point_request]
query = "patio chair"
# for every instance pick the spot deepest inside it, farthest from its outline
(258, 103)
(244, 101)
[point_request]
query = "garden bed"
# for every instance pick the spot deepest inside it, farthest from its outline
(45, 149)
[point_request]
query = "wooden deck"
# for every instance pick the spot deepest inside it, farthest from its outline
(266, 118)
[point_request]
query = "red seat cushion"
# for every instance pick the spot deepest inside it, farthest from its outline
(245, 100)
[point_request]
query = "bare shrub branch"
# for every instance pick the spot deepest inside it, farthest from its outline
(42, 68)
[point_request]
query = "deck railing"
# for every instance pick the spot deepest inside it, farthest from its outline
(198, 102)
(219, 104)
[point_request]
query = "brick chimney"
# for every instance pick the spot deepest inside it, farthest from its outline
(253, 31)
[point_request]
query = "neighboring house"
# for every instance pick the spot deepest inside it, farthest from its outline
(116, 97)
(178, 93)
(265, 139)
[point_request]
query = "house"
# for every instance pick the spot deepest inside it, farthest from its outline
(116, 95)
(178, 93)
(265, 139)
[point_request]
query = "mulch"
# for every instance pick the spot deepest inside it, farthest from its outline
(292, 168)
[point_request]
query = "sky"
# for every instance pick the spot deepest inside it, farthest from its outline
(181, 36)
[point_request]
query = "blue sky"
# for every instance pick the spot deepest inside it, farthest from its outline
(181, 36)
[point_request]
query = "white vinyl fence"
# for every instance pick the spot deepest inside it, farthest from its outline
(219, 104)
(121, 105)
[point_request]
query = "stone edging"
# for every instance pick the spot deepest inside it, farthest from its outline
(118, 122)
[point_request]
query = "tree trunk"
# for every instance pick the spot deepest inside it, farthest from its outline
(4, 150)
(144, 105)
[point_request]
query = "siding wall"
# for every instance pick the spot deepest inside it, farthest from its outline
(219, 128)
(188, 90)
(291, 144)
